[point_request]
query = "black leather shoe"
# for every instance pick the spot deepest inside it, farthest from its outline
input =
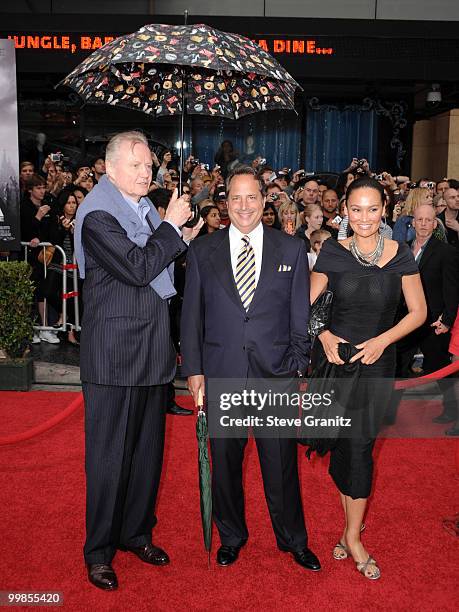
(227, 555)
(454, 431)
(444, 418)
(307, 559)
(150, 554)
(178, 410)
(102, 576)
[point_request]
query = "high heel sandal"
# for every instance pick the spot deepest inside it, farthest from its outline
(362, 567)
(340, 551)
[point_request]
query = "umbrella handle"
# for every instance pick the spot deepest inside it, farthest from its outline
(200, 402)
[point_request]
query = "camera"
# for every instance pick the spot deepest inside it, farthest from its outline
(379, 177)
(262, 161)
(274, 197)
(430, 185)
(56, 157)
(204, 166)
(337, 219)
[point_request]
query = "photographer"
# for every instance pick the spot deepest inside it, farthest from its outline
(200, 191)
(85, 179)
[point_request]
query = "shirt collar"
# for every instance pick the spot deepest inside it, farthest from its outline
(141, 208)
(257, 232)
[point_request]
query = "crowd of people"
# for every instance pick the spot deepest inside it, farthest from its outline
(298, 203)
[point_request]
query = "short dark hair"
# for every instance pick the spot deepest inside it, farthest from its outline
(160, 197)
(35, 181)
(369, 183)
(245, 171)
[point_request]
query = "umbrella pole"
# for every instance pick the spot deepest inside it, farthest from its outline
(182, 118)
(182, 132)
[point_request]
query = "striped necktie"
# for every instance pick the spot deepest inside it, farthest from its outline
(245, 273)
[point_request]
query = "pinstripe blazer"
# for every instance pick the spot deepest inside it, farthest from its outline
(125, 335)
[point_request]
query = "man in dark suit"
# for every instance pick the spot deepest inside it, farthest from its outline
(125, 253)
(438, 265)
(245, 315)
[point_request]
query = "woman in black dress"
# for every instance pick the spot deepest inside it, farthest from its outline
(366, 274)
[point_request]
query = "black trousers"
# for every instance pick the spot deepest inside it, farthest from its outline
(124, 436)
(436, 356)
(278, 461)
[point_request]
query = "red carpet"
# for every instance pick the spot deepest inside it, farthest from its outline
(42, 529)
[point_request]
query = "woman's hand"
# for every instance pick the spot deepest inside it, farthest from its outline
(66, 223)
(330, 344)
(371, 351)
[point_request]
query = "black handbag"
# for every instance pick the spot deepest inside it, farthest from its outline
(325, 379)
(320, 315)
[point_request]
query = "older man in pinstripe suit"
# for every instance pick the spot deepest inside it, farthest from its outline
(125, 254)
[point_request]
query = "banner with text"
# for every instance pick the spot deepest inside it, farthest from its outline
(9, 150)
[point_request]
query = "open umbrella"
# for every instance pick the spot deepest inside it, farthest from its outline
(223, 74)
(159, 67)
(205, 484)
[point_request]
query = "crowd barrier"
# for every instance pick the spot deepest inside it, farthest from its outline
(65, 294)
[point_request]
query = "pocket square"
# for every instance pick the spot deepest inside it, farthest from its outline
(284, 268)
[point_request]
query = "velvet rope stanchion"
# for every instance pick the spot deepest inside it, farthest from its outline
(416, 382)
(55, 420)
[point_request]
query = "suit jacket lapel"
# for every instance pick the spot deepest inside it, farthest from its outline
(220, 260)
(427, 253)
(270, 260)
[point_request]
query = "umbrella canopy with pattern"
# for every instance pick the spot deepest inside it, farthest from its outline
(224, 74)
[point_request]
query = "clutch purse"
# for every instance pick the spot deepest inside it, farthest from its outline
(319, 319)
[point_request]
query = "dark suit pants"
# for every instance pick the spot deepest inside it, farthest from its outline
(124, 435)
(278, 460)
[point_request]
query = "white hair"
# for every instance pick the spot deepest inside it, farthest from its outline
(113, 147)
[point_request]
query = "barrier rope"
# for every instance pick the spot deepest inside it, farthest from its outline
(78, 402)
(52, 422)
(422, 380)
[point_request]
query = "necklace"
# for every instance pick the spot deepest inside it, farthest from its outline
(367, 259)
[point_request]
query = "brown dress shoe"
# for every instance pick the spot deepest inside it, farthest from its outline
(102, 576)
(150, 554)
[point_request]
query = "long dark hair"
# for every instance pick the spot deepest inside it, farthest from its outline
(270, 206)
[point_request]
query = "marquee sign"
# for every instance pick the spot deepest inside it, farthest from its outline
(87, 42)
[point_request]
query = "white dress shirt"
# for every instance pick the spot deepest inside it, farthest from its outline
(256, 240)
